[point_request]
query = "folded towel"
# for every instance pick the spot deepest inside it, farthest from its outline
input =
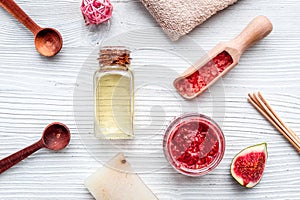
(179, 17)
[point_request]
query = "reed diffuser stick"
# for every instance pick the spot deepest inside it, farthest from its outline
(261, 104)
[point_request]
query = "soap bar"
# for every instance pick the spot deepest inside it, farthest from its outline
(117, 181)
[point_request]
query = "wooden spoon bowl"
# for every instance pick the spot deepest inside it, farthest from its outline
(56, 136)
(48, 42)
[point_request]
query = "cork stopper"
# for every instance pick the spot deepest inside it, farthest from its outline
(114, 55)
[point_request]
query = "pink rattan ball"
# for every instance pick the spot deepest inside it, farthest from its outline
(96, 11)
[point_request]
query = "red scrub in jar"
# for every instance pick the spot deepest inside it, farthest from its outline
(194, 144)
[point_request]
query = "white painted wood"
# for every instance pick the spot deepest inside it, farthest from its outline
(35, 91)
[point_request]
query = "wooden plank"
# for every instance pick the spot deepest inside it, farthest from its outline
(35, 91)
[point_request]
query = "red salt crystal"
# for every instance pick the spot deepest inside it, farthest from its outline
(194, 145)
(190, 144)
(206, 74)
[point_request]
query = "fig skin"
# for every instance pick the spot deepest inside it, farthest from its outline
(255, 165)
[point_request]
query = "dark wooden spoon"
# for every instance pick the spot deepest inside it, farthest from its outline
(56, 136)
(48, 41)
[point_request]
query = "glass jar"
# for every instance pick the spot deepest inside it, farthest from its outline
(114, 94)
(194, 144)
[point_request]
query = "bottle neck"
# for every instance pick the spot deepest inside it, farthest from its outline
(114, 67)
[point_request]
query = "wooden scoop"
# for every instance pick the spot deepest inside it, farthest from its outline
(48, 41)
(257, 29)
(56, 136)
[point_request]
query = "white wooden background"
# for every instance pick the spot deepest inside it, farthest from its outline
(35, 91)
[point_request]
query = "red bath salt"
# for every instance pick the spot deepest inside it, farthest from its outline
(194, 83)
(194, 144)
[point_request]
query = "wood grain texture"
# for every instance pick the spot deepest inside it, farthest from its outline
(35, 91)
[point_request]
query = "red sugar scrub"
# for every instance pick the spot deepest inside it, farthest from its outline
(192, 84)
(194, 144)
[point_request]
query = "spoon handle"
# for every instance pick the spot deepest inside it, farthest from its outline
(15, 158)
(256, 30)
(12, 7)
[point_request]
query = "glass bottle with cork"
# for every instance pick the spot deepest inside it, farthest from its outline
(114, 95)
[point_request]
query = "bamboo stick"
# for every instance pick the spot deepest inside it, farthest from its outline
(260, 104)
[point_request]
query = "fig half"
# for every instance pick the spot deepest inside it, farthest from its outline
(248, 165)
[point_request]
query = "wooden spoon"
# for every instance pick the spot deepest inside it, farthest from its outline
(48, 41)
(56, 136)
(256, 30)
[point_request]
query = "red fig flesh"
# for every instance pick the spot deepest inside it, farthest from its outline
(248, 165)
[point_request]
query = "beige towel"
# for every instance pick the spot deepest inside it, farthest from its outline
(179, 17)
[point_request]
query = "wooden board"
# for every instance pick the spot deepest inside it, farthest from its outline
(35, 91)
